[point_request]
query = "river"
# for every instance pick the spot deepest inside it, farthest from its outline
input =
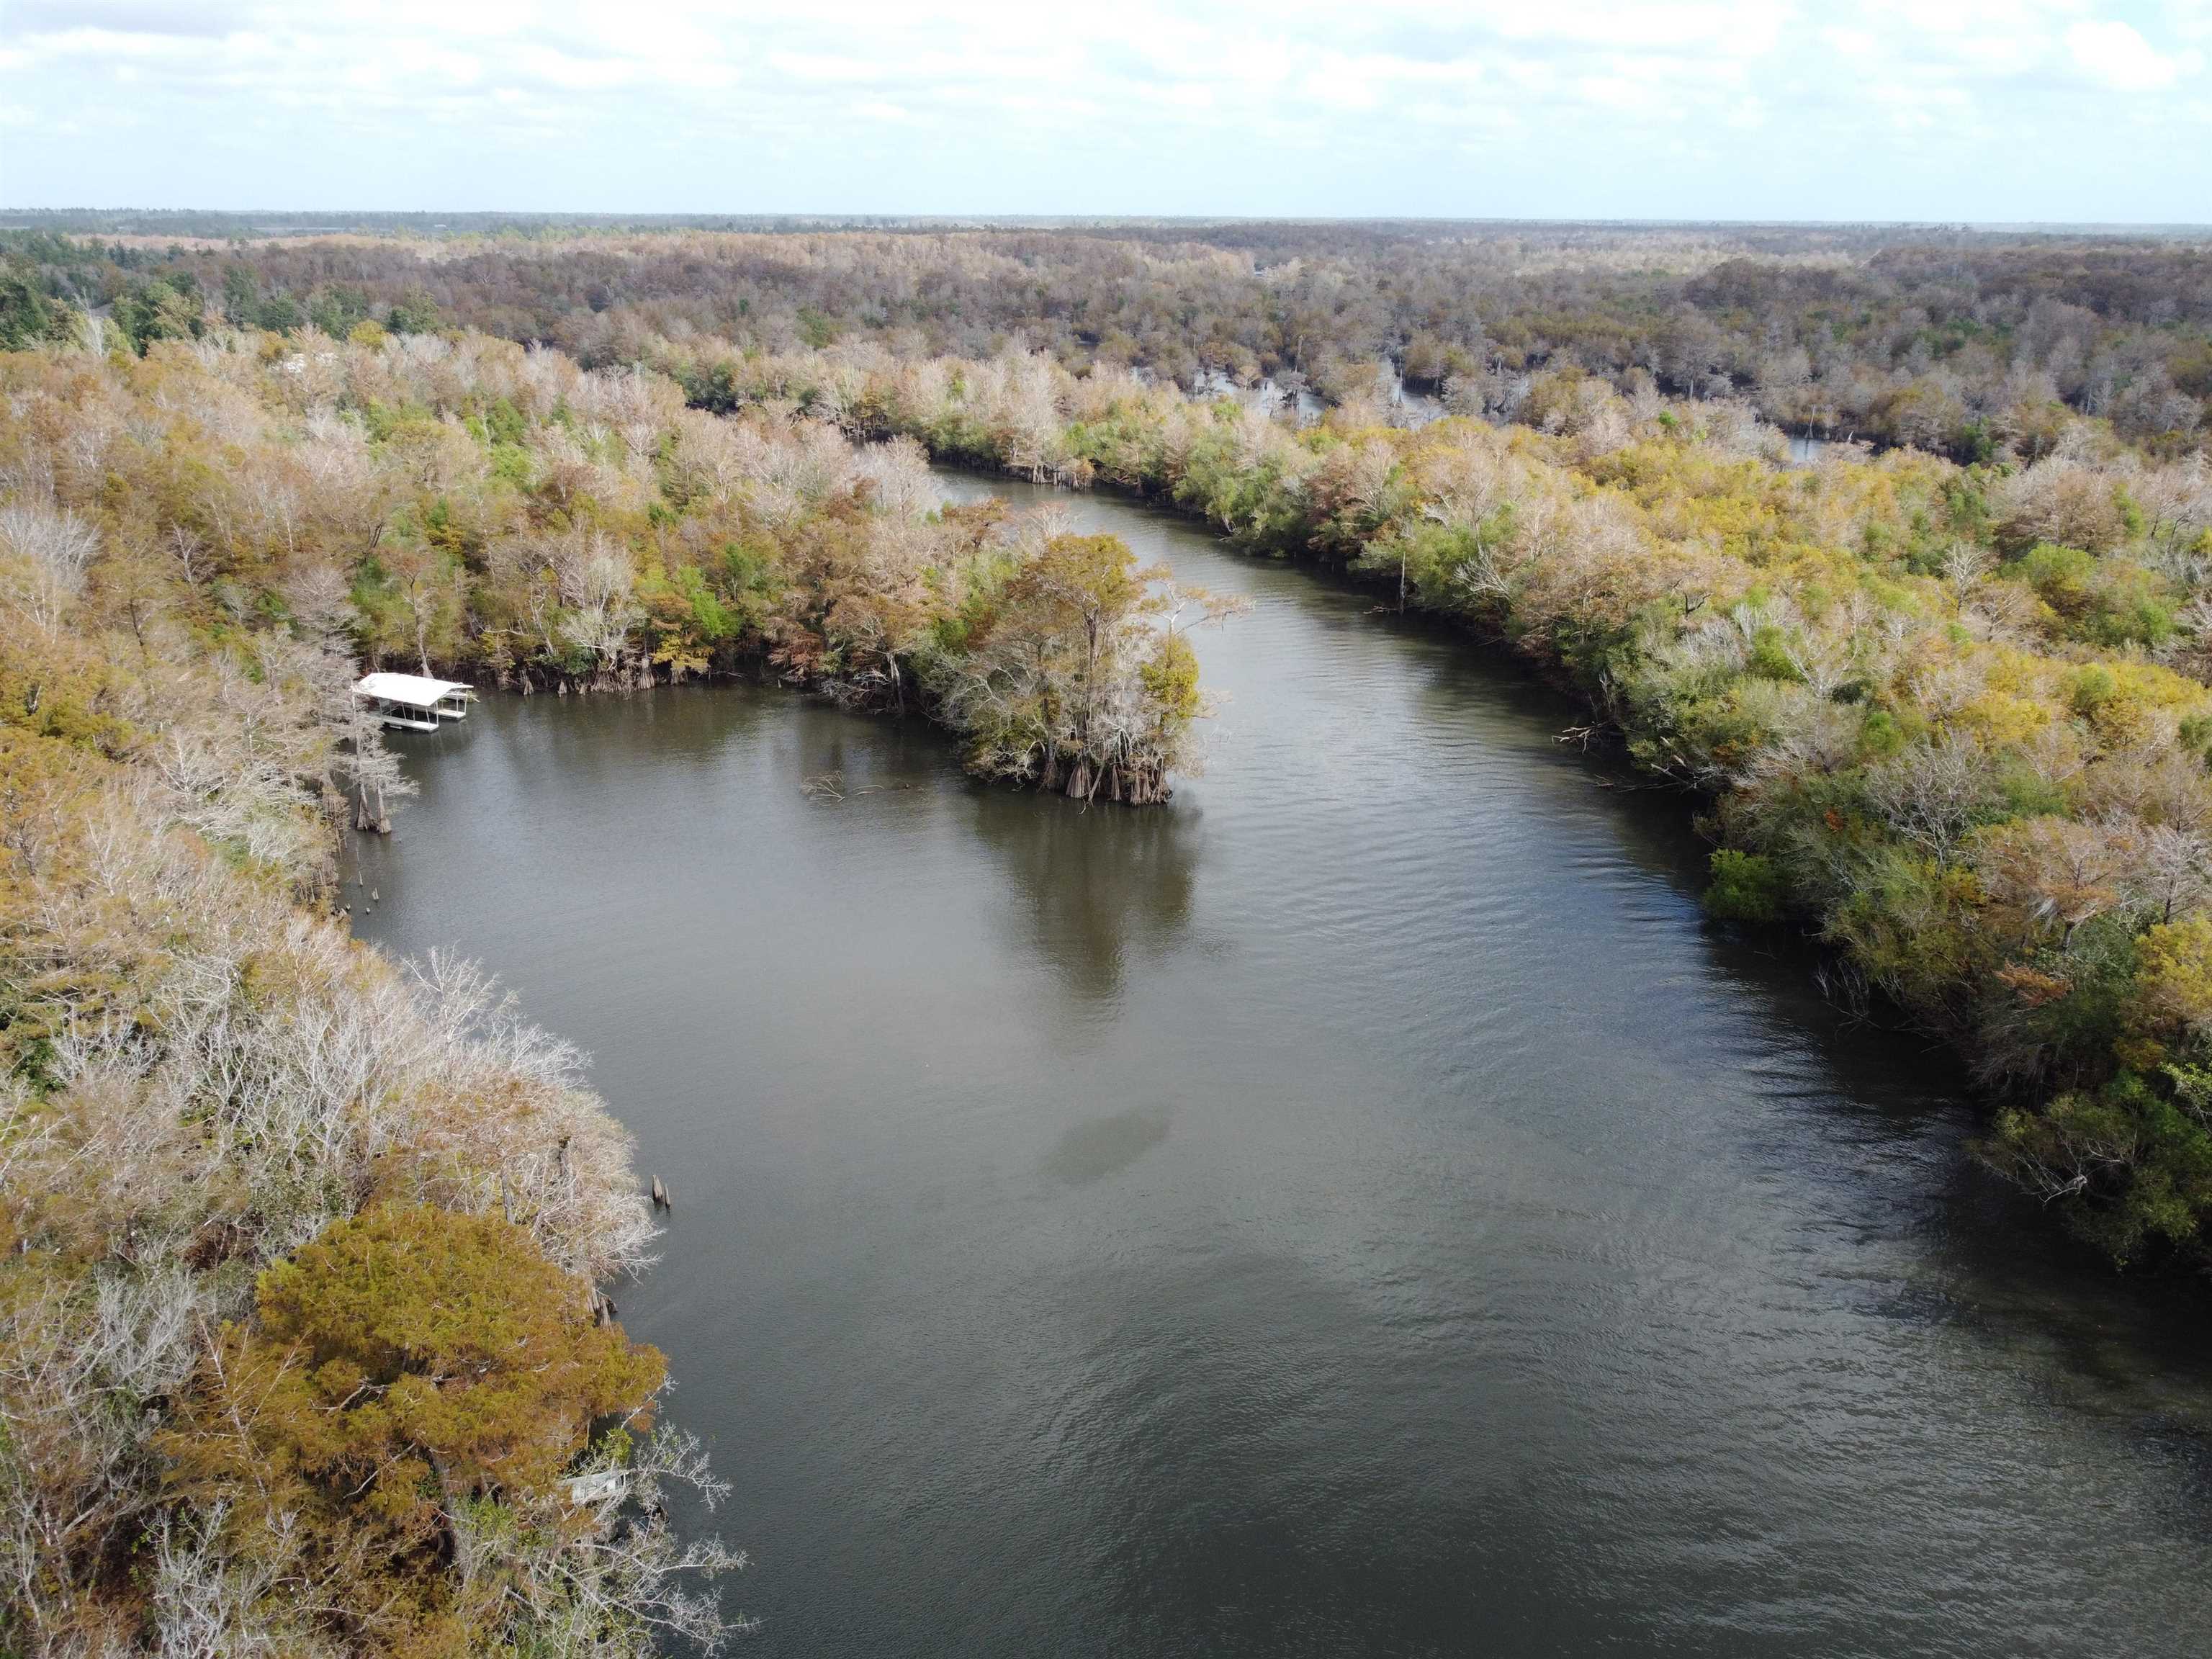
(1362, 1208)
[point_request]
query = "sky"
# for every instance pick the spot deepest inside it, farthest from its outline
(1987, 110)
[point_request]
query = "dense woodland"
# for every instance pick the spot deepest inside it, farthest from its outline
(1966, 343)
(305, 1246)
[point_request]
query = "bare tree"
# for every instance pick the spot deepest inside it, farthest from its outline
(44, 552)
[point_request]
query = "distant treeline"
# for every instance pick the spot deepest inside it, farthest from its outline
(1961, 342)
(219, 225)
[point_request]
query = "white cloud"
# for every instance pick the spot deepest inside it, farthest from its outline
(829, 68)
(2113, 55)
(1802, 108)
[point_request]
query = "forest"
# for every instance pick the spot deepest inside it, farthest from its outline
(1952, 719)
(1958, 342)
(308, 1249)
(309, 1351)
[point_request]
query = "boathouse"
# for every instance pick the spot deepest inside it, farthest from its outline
(413, 702)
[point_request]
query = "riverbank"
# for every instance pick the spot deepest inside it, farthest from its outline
(231, 1138)
(305, 1248)
(1375, 1140)
(1928, 727)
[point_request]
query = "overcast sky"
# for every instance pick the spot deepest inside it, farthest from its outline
(1990, 110)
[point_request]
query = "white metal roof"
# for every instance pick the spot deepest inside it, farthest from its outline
(414, 689)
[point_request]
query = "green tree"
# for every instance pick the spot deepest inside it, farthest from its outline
(166, 308)
(27, 316)
(241, 296)
(1746, 887)
(407, 1364)
(417, 312)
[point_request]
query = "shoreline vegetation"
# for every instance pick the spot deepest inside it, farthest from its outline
(309, 1349)
(1953, 719)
